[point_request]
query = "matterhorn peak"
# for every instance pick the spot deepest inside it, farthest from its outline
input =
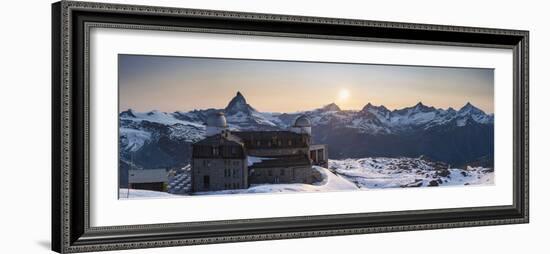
(239, 95)
(238, 104)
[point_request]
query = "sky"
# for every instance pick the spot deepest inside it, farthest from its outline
(171, 84)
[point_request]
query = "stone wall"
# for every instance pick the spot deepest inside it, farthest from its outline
(223, 174)
(277, 152)
(298, 174)
(319, 154)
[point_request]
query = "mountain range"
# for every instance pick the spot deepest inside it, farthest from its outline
(459, 137)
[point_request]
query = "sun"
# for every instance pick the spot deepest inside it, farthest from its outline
(343, 94)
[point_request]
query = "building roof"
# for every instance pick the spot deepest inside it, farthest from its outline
(147, 176)
(248, 135)
(263, 139)
(223, 145)
(317, 146)
(302, 121)
(283, 161)
(224, 138)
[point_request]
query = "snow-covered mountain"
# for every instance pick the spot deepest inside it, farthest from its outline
(238, 105)
(240, 115)
(154, 139)
(371, 119)
(161, 139)
(380, 120)
(138, 128)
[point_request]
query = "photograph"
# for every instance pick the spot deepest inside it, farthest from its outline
(192, 126)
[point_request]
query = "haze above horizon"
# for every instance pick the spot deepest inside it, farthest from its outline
(183, 83)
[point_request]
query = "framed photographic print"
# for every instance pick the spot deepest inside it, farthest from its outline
(181, 126)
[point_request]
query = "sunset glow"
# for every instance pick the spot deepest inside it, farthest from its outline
(186, 83)
(343, 95)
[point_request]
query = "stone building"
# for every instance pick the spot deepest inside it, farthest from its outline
(236, 159)
(148, 179)
(319, 155)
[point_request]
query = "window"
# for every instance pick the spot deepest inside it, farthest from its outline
(236, 163)
(269, 172)
(215, 150)
(226, 164)
(206, 182)
(226, 172)
(282, 172)
(290, 142)
(293, 173)
(233, 150)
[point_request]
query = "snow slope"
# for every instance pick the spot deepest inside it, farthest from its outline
(133, 139)
(375, 173)
(355, 174)
(123, 193)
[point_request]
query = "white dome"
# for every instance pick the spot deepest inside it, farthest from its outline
(302, 125)
(216, 120)
(302, 121)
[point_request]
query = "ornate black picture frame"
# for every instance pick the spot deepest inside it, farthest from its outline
(71, 230)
